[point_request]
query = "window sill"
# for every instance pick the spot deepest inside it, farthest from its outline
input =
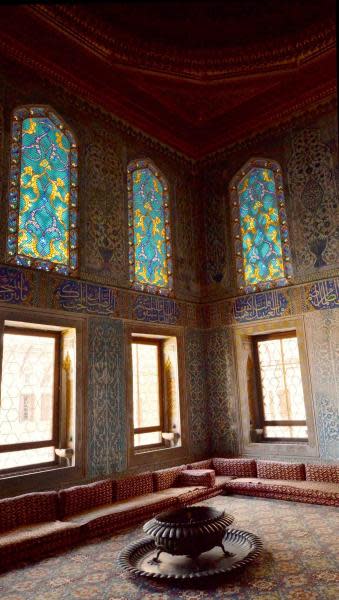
(297, 449)
(153, 456)
(45, 478)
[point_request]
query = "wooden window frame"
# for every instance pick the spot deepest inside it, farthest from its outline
(54, 440)
(161, 397)
(262, 422)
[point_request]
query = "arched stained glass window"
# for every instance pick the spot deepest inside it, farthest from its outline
(43, 206)
(149, 229)
(260, 226)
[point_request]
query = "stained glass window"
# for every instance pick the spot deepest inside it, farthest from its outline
(149, 229)
(260, 226)
(42, 219)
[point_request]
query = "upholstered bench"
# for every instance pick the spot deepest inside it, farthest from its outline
(30, 528)
(105, 506)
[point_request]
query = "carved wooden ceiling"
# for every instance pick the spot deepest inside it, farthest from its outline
(198, 76)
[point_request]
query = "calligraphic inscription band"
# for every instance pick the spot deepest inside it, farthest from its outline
(14, 286)
(266, 305)
(153, 309)
(324, 294)
(78, 296)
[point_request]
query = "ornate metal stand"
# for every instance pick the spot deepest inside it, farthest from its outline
(142, 558)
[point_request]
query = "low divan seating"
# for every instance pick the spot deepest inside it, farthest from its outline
(35, 524)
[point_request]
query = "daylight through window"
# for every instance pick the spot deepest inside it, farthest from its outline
(281, 406)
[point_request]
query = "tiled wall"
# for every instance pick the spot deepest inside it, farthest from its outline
(203, 268)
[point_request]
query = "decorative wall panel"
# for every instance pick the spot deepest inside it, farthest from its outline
(153, 309)
(215, 210)
(323, 294)
(322, 331)
(313, 201)
(15, 285)
(105, 249)
(266, 305)
(195, 361)
(107, 450)
(186, 230)
(85, 297)
(220, 392)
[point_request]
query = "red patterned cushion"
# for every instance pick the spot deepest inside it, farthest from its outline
(269, 469)
(137, 485)
(201, 464)
(318, 472)
(204, 477)
(241, 467)
(28, 509)
(166, 477)
(81, 497)
(297, 492)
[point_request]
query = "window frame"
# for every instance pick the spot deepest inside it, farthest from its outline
(161, 397)
(147, 457)
(260, 398)
(238, 258)
(54, 441)
(136, 165)
(23, 480)
(243, 335)
(19, 114)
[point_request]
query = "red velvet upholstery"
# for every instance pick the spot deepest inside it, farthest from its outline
(328, 473)
(240, 467)
(204, 477)
(81, 497)
(166, 478)
(28, 509)
(201, 464)
(268, 469)
(137, 485)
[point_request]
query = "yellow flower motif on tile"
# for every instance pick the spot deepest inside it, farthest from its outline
(32, 125)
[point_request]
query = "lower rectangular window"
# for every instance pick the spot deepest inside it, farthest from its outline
(29, 405)
(281, 406)
(155, 392)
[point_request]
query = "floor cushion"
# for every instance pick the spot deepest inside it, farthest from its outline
(82, 497)
(316, 472)
(303, 491)
(240, 467)
(136, 485)
(201, 464)
(28, 509)
(103, 519)
(205, 477)
(34, 541)
(269, 469)
(165, 478)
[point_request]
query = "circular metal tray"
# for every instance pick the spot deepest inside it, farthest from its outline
(241, 547)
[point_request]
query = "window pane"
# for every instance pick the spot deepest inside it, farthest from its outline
(42, 219)
(21, 458)
(283, 398)
(145, 439)
(146, 404)
(260, 228)
(27, 389)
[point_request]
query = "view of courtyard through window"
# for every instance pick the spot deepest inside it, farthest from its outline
(147, 409)
(282, 408)
(27, 406)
